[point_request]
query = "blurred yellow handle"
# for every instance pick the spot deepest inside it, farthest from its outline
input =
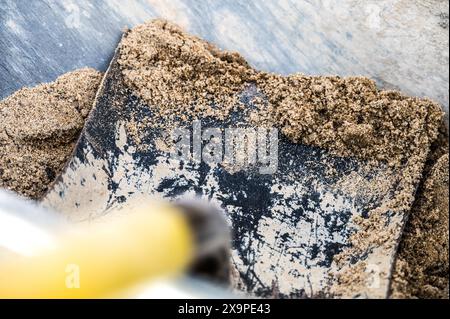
(104, 258)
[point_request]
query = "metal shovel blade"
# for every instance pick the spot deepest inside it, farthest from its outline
(289, 221)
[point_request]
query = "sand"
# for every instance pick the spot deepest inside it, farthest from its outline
(421, 269)
(182, 77)
(39, 127)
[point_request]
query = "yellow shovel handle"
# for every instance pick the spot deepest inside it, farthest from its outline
(102, 259)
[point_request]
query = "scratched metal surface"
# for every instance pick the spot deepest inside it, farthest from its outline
(287, 226)
(402, 44)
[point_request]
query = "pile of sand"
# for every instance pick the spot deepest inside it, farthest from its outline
(39, 127)
(421, 270)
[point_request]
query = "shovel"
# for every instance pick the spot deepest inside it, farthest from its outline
(286, 236)
(295, 212)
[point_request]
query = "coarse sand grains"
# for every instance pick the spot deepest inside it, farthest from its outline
(39, 127)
